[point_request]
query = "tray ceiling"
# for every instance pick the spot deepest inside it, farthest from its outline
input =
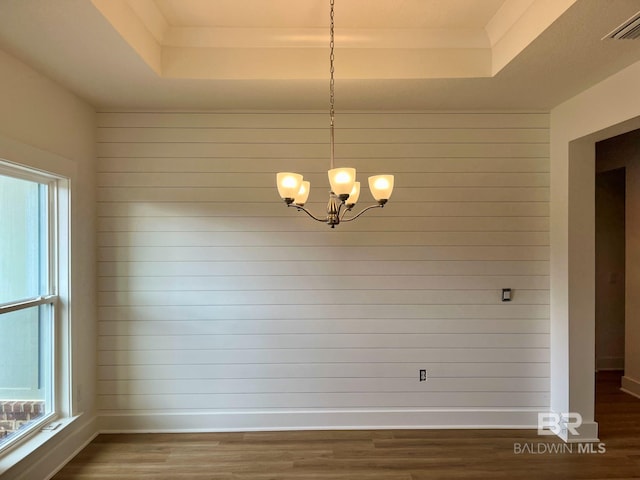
(273, 54)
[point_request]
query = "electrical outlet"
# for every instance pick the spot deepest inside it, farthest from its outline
(423, 375)
(506, 295)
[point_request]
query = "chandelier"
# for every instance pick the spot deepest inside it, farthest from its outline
(345, 191)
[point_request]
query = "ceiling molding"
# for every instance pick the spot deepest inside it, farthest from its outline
(311, 64)
(152, 18)
(255, 52)
(524, 29)
(505, 18)
(310, 37)
(125, 20)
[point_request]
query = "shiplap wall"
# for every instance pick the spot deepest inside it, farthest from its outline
(219, 308)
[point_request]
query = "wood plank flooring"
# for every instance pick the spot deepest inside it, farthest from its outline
(369, 455)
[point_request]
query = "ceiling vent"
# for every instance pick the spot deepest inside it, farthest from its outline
(629, 30)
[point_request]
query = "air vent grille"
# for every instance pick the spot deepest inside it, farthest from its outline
(629, 30)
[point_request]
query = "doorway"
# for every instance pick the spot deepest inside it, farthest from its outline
(617, 255)
(610, 263)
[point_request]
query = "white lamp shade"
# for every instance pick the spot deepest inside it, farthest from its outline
(288, 184)
(355, 194)
(303, 194)
(342, 180)
(381, 186)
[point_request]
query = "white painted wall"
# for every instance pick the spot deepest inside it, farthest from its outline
(41, 121)
(604, 110)
(220, 308)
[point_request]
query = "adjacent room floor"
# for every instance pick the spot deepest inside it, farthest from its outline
(374, 455)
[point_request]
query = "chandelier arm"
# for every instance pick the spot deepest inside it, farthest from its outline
(324, 220)
(347, 209)
(363, 211)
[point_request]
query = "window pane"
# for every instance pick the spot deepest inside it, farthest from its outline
(25, 368)
(23, 239)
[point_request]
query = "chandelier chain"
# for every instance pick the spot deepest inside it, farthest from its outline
(332, 86)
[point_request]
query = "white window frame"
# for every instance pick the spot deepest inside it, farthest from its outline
(58, 259)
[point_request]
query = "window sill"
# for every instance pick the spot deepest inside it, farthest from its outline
(38, 440)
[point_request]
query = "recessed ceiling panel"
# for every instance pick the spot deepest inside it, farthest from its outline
(285, 39)
(244, 13)
(440, 14)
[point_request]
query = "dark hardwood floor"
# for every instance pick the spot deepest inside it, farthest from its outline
(370, 455)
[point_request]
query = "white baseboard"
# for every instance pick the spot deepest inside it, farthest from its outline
(587, 433)
(630, 386)
(67, 446)
(316, 420)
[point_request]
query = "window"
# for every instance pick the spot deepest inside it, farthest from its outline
(28, 301)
